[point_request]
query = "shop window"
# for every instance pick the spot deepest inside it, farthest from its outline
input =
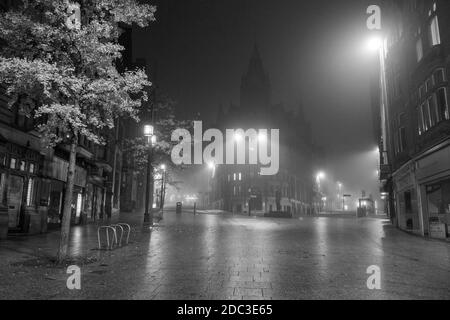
(30, 190)
(79, 205)
(31, 168)
(408, 202)
(434, 200)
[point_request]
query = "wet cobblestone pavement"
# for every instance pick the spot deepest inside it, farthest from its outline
(222, 256)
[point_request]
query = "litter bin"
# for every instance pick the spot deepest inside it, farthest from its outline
(178, 208)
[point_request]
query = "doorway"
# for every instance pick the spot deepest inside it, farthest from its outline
(14, 198)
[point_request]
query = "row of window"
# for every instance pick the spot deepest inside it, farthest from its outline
(17, 164)
(237, 176)
(433, 110)
(434, 36)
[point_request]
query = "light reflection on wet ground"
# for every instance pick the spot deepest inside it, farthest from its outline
(235, 257)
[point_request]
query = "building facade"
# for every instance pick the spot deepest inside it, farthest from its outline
(240, 188)
(415, 118)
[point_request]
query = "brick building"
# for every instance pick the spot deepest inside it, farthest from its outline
(414, 113)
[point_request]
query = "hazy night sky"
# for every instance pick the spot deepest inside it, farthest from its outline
(312, 51)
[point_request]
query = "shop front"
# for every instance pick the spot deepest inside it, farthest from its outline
(58, 174)
(433, 175)
(406, 198)
(19, 184)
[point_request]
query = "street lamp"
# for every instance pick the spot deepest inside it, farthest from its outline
(374, 44)
(151, 140)
(319, 176)
(340, 194)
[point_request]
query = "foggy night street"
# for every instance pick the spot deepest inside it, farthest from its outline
(224, 151)
(210, 256)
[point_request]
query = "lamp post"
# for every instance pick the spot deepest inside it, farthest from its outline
(151, 140)
(320, 175)
(212, 167)
(163, 187)
(340, 194)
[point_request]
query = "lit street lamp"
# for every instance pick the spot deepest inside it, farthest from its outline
(151, 140)
(341, 195)
(319, 176)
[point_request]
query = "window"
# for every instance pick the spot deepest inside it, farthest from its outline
(433, 110)
(429, 84)
(422, 92)
(240, 176)
(12, 164)
(420, 121)
(419, 50)
(31, 168)
(425, 116)
(435, 36)
(234, 190)
(239, 190)
(396, 144)
(234, 176)
(439, 76)
(229, 178)
(402, 138)
(442, 104)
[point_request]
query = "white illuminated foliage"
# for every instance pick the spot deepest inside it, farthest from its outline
(70, 74)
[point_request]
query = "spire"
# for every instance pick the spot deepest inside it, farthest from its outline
(255, 66)
(255, 86)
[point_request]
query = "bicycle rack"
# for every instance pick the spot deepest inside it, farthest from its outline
(118, 227)
(110, 243)
(126, 225)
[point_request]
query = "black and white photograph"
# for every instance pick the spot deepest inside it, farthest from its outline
(208, 152)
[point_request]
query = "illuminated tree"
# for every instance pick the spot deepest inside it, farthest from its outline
(62, 56)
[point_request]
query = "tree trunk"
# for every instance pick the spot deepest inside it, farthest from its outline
(67, 210)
